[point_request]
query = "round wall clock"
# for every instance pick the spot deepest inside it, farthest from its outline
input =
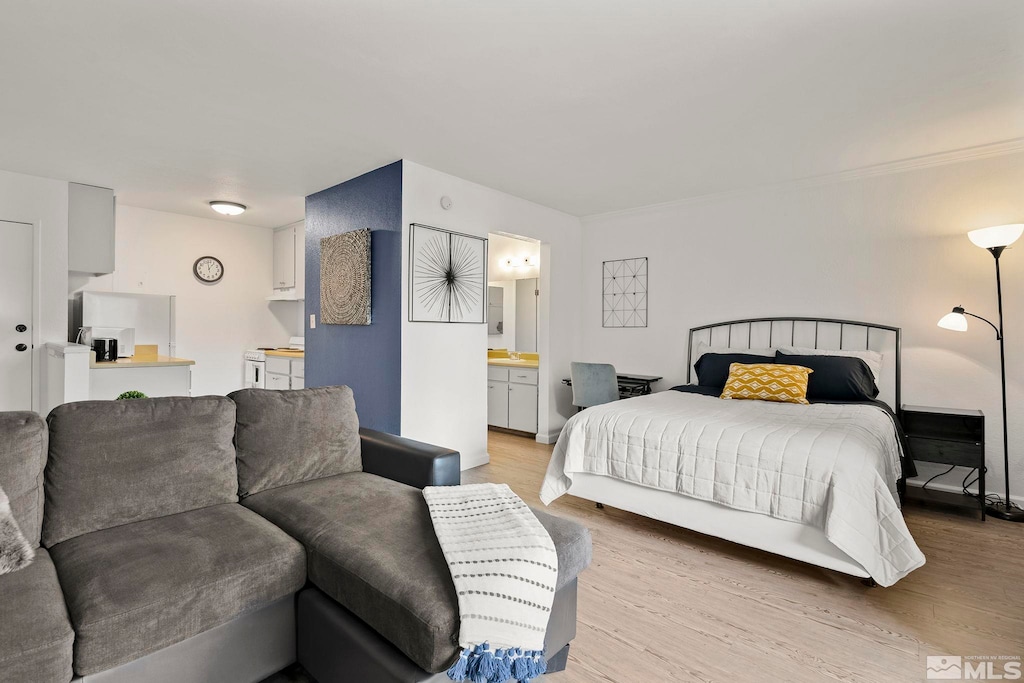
(208, 269)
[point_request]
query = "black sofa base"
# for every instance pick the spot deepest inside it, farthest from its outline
(335, 646)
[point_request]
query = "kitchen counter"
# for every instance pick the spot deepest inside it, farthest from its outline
(509, 363)
(286, 353)
(140, 362)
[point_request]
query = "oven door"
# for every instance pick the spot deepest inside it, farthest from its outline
(254, 374)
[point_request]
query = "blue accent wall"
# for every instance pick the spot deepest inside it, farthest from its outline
(367, 358)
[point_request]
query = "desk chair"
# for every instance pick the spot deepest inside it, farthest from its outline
(593, 384)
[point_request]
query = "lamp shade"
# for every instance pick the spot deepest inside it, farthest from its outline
(996, 236)
(956, 320)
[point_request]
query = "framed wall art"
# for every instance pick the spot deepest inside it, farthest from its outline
(345, 278)
(447, 276)
(624, 293)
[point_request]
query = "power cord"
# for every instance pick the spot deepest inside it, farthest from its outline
(925, 485)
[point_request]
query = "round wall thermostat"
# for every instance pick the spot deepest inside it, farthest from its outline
(446, 202)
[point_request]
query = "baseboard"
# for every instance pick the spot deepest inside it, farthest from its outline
(955, 488)
(549, 438)
(469, 462)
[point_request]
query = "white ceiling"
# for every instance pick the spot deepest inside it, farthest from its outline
(583, 105)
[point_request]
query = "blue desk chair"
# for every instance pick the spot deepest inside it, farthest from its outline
(593, 384)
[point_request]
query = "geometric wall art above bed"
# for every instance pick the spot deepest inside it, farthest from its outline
(624, 293)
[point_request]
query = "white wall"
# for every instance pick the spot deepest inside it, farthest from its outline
(444, 366)
(154, 253)
(43, 203)
(888, 248)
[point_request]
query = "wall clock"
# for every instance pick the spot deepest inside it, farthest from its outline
(208, 269)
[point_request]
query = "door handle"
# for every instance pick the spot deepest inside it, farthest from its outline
(21, 347)
(20, 328)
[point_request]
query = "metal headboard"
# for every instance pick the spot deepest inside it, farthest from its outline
(853, 335)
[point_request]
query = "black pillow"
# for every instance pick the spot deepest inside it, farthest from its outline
(713, 368)
(835, 378)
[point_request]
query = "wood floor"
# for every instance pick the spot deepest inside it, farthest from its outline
(660, 603)
(663, 603)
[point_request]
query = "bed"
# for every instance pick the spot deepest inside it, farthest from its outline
(817, 483)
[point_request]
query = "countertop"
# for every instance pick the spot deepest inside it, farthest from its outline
(509, 363)
(285, 353)
(140, 362)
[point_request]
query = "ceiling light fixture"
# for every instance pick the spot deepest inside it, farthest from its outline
(227, 208)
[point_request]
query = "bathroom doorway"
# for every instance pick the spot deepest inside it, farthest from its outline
(513, 324)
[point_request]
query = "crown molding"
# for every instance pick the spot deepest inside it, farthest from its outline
(956, 156)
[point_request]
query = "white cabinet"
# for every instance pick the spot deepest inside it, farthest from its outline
(512, 398)
(284, 258)
(285, 373)
(275, 381)
(290, 263)
(90, 229)
(497, 403)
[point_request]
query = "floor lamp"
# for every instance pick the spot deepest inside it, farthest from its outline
(995, 239)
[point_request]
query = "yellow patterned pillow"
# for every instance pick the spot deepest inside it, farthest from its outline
(767, 382)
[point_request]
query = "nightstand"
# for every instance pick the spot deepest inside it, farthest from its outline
(948, 436)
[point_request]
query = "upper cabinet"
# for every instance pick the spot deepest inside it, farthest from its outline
(290, 262)
(90, 229)
(284, 258)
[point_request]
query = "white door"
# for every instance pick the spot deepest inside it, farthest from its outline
(526, 315)
(497, 403)
(275, 381)
(16, 316)
(522, 407)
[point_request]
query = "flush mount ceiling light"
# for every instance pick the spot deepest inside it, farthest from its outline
(227, 208)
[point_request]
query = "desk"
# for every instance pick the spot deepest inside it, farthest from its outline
(629, 385)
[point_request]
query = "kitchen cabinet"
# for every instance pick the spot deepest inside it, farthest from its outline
(512, 398)
(285, 373)
(290, 263)
(284, 258)
(275, 381)
(90, 229)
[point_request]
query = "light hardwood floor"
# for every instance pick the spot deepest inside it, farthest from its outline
(660, 603)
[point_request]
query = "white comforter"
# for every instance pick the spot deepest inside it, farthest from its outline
(831, 466)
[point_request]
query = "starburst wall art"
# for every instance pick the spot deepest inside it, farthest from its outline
(448, 276)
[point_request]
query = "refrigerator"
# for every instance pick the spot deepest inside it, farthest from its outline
(151, 315)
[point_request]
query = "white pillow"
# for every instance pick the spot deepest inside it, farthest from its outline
(872, 358)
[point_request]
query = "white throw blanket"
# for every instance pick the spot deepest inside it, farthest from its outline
(831, 466)
(504, 567)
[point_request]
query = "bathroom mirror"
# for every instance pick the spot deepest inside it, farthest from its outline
(495, 310)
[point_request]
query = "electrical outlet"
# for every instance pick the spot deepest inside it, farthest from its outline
(312, 321)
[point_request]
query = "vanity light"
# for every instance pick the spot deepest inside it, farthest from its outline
(227, 208)
(523, 262)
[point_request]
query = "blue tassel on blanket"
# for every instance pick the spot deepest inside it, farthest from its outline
(480, 665)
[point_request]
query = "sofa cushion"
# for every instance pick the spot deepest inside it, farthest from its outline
(284, 437)
(371, 546)
(137, 588)
(117, 462)
(35, 634)
(23, 441)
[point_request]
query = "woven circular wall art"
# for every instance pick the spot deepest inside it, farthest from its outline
(345, 278)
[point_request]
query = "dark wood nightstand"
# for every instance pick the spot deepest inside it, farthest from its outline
(949, 436)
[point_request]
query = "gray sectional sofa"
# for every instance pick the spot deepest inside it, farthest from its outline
(221, 539)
